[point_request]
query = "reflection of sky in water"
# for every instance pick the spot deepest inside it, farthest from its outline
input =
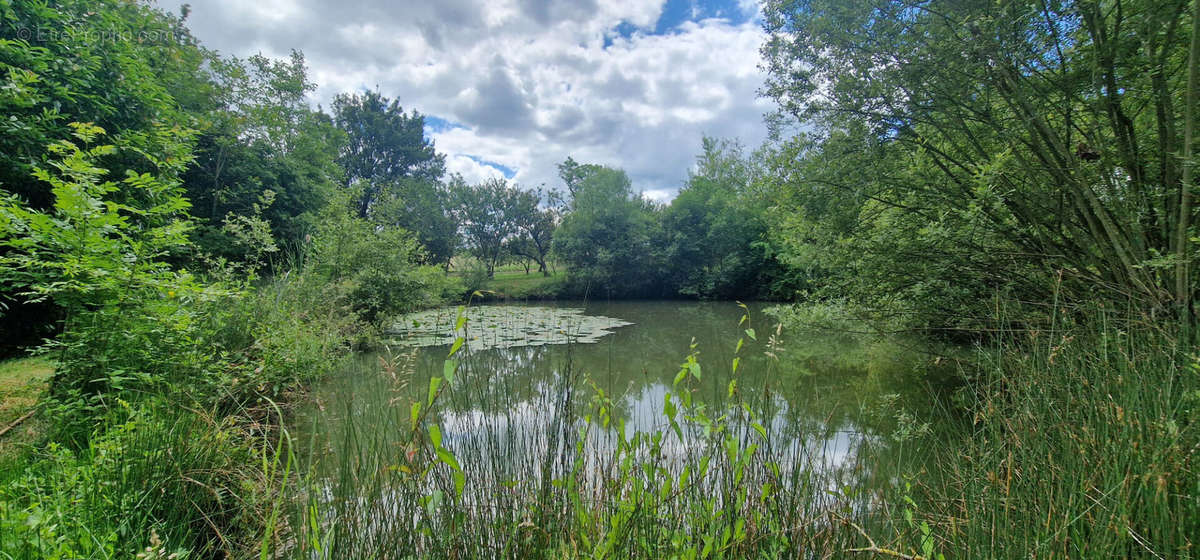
(507, 411)
(515, 443)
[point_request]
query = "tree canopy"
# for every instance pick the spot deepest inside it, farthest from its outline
(965, 151)
(385, 146)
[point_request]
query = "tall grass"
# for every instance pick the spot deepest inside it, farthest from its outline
(183, 452)
(1078, 442)
(1082, 443)
(469, 465)
(193, 482)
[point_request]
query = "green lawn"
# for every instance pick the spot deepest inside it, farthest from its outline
(22, 381)
(512, 282)
(517, 284)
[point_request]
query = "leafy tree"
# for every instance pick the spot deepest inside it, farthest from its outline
(487, 217)
(384, 146)
(101, 249)
(261, 137)
(574, 173)
(971, 149)
(607, 240)
(714, 232)
(54, 71)
(101, 238)
(535, 226)
(377, 267)
(424, 207)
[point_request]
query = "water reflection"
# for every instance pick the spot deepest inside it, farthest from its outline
(519, 411)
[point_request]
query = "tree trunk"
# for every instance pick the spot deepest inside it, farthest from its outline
(1183, 292)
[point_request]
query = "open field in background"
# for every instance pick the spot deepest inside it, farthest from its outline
(510, 280)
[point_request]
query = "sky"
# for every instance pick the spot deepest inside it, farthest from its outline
(510, 88)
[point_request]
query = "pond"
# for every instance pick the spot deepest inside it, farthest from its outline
(567, 399)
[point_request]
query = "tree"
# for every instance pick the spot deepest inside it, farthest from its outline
(607, 240)
(384, 147)
(90, 247)
(994, 146)
(574, 173)
(535, 226)
(54, 72)
(714, 233)
(261, 137)
(485, 213)
(422, 207)
(377, 267)
(101, 249)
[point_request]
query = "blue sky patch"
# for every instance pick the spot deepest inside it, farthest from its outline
(435, 125)
(508, 172)
(675, 13)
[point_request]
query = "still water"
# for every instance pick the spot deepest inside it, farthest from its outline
(570, 423)
(818, 397)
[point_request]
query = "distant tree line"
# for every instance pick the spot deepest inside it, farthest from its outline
(711, 241)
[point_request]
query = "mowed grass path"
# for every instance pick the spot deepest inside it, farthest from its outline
(517, 282)
(511, 280)
(22, 382)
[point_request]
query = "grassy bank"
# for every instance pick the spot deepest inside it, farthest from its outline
(517, 285)
(22, 382)
(509, 282)
(1081, 442)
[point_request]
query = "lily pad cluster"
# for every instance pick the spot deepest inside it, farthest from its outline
(496, 326)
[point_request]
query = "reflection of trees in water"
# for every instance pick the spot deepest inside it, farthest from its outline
(823, 378)
(503, 401)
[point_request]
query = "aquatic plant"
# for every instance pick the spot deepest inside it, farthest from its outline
(494, 326)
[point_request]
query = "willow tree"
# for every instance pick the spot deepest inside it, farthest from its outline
(1005, 145)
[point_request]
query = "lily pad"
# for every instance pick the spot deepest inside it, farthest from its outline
(499, 326)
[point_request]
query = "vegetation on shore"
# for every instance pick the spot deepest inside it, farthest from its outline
(191, 245)
(1077, 442)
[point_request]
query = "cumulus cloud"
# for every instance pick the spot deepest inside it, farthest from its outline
(526, 83)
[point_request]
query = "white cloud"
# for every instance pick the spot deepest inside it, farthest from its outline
(530, 80)
(658, 195)
(472, 171)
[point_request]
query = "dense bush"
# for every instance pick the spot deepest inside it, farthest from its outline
(161, 407)
(376, 265)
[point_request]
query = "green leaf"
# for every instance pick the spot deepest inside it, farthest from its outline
(762, 432)
(449, 368)
(435, 436)
(445, 456)
(460, 482)
(415, 414)
(434, 383)
(750, 333)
